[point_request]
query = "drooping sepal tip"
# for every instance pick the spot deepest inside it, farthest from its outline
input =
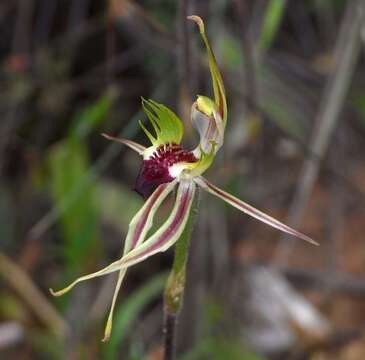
(198, 20)
(108, 330)
(60, 292)
(218, 86)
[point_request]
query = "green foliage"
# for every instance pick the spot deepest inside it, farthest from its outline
(113, 209)
(91, 117)
(128, 311)
(68, 162)
(217, 346)
(51, 347)
(285, 118)
(231, 52)
(272, 19)
(7, 223)
(220, 348)
(359, 103)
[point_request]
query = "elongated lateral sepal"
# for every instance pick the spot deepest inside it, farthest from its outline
(250, 210)
(131, 144)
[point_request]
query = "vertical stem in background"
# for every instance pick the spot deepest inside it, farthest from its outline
(175, 286)
(184, 60)
(12, 274)
(110, 46)
(23, 27)
(243, 12)
(252, 116)
(21, 47)
(346, 55)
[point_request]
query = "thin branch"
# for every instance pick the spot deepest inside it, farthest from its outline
(21, 40)
(27, 290)
(169, 330)
(250, 81)
(346, 56)
(184, 60)
(307, 152)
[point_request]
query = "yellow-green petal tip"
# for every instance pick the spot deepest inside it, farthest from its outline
(54, 293)
(198, 20)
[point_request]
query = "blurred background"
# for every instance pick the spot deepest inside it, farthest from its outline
(294, 73)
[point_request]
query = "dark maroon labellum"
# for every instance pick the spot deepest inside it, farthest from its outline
(155, 170)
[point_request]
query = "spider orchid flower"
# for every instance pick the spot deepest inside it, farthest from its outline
(167, 166)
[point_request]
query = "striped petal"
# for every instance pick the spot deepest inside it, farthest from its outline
(160, 241)
(138, 229)
(170, 231)
(131, 144)
(164, 238)
(143, 220)
(250, 210)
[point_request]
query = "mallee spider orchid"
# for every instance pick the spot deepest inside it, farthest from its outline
(167, 166)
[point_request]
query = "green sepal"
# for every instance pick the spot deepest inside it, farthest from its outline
(218, 86)
(167, 127)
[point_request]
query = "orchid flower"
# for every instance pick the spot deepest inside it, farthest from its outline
(167, 166)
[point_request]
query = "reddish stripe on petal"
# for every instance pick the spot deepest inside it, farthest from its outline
(181, 214)
(250, 210)
(142, 222)
(133, 145)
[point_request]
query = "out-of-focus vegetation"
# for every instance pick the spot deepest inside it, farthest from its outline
(294, 73)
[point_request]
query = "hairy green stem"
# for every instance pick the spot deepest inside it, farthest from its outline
(175, 286)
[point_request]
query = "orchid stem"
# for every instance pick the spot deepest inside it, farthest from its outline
(175, 286)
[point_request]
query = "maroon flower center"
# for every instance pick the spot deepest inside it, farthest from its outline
(155, 170)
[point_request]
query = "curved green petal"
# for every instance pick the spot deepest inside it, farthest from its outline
(209, 117)
(167, 127)
(218, 86)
